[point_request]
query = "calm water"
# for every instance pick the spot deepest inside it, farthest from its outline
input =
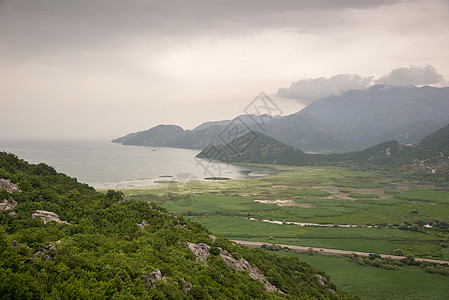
(103, 164)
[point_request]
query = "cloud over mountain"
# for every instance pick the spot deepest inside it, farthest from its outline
(309, 90)
(414, 75)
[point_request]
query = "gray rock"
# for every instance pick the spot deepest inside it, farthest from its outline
(8, 186)
(48, 216)
(6, 205)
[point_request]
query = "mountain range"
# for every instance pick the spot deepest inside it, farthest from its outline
(427, 157)
(355, 120)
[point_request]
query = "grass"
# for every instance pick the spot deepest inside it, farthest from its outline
(425, 195)
(374, 283)
(314, 194)
(355, 195)
(354, 239)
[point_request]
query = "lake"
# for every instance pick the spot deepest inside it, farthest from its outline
(103, 164)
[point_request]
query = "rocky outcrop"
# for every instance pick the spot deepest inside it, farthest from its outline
(202, 251)
(142, 225)
(48, 216)
(123, 199)
(8, 186)
(243, 265)
(6, 205)
(322, 282)
(150, 279)
(47, 252)
(186, 286)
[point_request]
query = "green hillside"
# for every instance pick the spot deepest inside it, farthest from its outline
(60, 239)
(437, 141)
(255, 147)
(425, 159)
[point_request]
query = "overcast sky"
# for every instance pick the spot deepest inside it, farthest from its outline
(91, 68)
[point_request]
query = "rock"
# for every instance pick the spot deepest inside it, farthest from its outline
(143, 224)
(186, 286)
(150, 279)
(320, 279)
(212, 237)
(15, 243)
(6, 205)
(48, 216)
(8, 185)
(123, 199)
(201, 250)
(243, 265)
(47, 252)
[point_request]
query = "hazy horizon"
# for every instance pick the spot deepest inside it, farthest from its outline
(102, 69)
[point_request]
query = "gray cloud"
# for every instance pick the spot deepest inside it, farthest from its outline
(414, 75)
(310, 90)
(29, 27)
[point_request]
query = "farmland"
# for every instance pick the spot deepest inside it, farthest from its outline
(326, 207)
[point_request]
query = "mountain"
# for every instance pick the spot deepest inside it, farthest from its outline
(305, 132)
(160, 135)
(437, 141)
(198, 138)
(355, 120)
(255, 147)
(424, 159)
(60, 239)
(365, 118)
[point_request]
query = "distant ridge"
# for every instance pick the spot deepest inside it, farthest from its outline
(255, 147)
(353, 121)
(438, 141)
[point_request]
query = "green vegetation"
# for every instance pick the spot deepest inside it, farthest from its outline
(102, 245)
(408, 283)
(355, 195)
(425, 195)
(437, 141)
(415, 162)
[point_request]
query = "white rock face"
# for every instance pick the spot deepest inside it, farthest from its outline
(48, 216)
(6, 205)
(202, 251)
(8, 186)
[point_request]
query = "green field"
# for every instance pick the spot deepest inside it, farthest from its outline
(374, 283)
(389, 213)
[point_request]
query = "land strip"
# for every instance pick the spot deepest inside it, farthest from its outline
(333, 251)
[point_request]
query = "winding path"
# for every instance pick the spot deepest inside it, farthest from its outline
(333, 251)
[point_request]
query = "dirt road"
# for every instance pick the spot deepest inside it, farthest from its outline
(333, 251)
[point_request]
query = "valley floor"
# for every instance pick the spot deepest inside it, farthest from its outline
(353, 210)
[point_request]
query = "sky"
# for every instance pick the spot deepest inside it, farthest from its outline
(104, 68)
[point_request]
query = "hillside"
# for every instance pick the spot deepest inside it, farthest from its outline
(437, 141)
(255, 147)
(380, 113)
(60, 239)
(159, 135)
(307, 133)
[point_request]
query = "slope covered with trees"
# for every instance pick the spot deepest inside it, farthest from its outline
(426, 159)
(60, 239)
